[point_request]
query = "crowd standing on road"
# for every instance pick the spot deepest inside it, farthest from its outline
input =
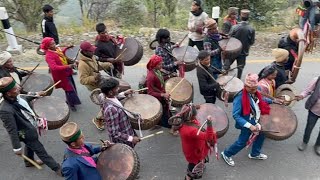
(253, 98)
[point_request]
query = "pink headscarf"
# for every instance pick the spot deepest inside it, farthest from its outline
(154, 61)
(46, 43)
(251, 80)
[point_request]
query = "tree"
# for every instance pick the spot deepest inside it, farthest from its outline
(154, 8)
(28, 12)
(129, 12)
(171, 6)
(95, 9)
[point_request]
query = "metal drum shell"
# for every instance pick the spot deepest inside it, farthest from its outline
(233, 87)
(54, 109)
(281, 119)
(133, 54)
(117, 172)
(142, 100)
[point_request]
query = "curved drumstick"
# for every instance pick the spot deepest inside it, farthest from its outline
(141, 89)
(183, 39)
(30, 72)
(31, 161)
(46, 91)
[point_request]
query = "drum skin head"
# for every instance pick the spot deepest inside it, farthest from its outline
(182, 94)
(281, 119)
(72, 52)
(220, 122)
(37, 82)
(118, 162)
(133, 53)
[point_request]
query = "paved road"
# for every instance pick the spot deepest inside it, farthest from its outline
(161, 157)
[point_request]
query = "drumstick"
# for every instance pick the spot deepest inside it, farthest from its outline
(141, 89)
(30, 72)
(31, 161)
(176, 85)
(217, 69)
(229, 80)
(151, 135)
(45, 92)
(234, 68)
(183, 39)
(204, 123)
(121, 54)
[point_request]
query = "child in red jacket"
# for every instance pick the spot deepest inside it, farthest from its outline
(195, 146)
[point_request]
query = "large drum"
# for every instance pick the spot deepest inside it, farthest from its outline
(180, 90)
(188, 54)
(118, 162)
(133, 53)
(54, 109)
(221, 121)
(233, 86)
(123, 85)
(37, 82)
(232, 47)
(147, 106)
(280, 124)
(72, 52)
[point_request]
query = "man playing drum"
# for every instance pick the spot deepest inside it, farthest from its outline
(79, 162)
(106, 49)
(246, 34)
(313, 105)
(211, 44)
(117, 121)
(207, 84)
(195, 146)
(170, 65)
(20, 122)
(230, 20)
(89, 74)
(197, 18)
(248, 106)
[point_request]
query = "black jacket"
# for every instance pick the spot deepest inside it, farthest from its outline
(244, 33)
(208, 86)
(105, 49)
(286, 43)
(17, 125)
(281, 77)
(49, 29)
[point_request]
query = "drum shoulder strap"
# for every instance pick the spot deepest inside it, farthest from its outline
(94, 69)
(194, 125)
(71, 154)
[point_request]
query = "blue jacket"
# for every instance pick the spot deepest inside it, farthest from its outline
(74, 167)
(237, 114)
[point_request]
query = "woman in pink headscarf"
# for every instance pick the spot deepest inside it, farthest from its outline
(61, 70)
(155, 84)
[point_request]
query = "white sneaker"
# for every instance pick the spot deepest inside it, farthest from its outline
(259, 157)
(227, 159)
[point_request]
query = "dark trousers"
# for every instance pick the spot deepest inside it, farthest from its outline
(241, 60)
(210, 99)
(35, 146)
(311, 122)
(199, 44)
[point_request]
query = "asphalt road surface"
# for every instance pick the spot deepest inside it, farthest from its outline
(161, 156)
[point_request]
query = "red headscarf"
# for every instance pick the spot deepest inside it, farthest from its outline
(154, 61)
(46, 43)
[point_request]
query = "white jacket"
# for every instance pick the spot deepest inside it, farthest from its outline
(195, 22)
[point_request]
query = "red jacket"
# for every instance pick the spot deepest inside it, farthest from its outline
(59, 71)
(154, 85)
(195, 148)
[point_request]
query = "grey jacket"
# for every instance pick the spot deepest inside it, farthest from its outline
(312, 100)
(17, 125)
(244, 33)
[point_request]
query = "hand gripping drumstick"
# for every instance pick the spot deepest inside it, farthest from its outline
(141, 89)
(31, 161)
(121, 54)
(30, 72)
(45, 92)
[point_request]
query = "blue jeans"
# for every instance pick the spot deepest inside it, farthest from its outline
(241, 143)
(311, 15)
(216, 62)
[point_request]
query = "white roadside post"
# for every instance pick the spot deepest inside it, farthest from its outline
(11, 39)
(216, 13)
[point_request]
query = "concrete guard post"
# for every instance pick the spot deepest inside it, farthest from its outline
(13, 46)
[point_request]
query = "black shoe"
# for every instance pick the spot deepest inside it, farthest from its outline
(73, 108)
(302, 146)
(317, 150)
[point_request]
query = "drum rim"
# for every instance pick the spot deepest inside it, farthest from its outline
(176, 103)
